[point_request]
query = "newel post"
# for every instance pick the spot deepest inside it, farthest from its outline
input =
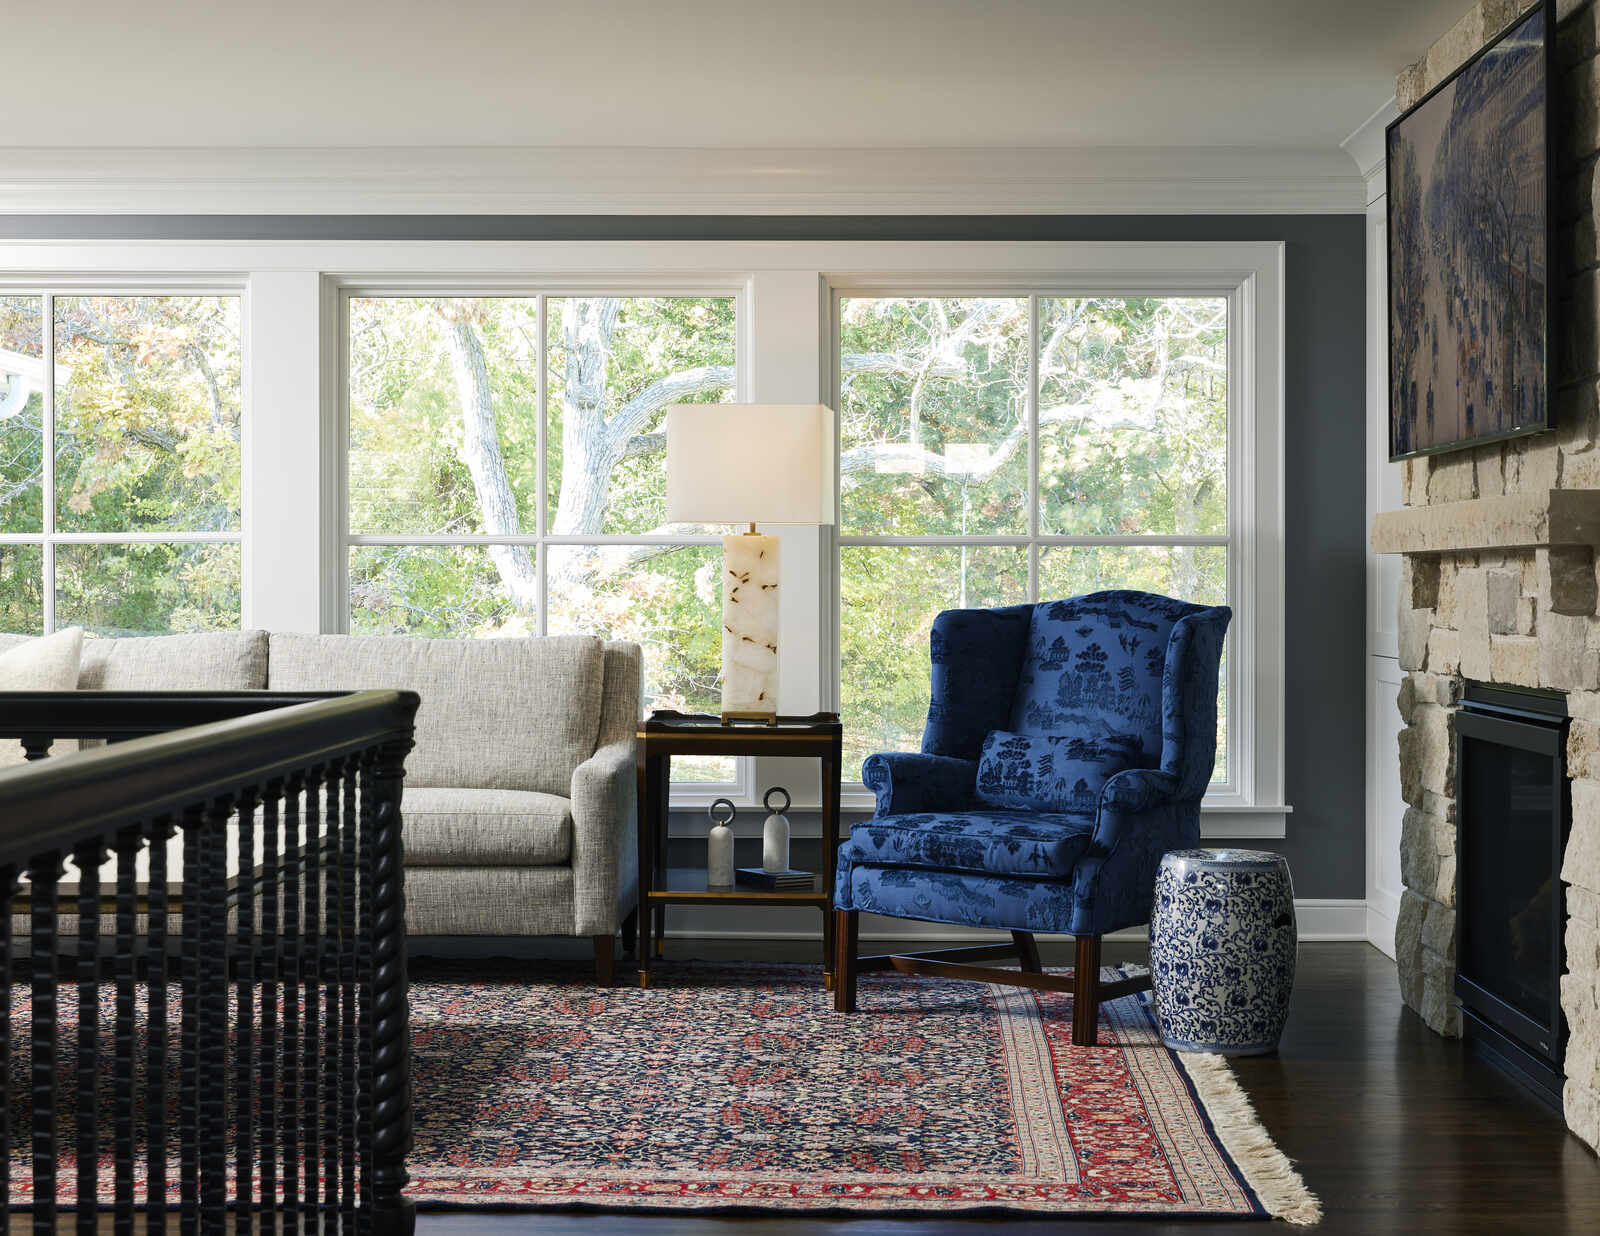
(389, 1015)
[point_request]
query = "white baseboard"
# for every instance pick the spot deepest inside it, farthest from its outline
(1319, 919)
(1382, 910)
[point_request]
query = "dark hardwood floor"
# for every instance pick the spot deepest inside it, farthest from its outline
(1395, 1129)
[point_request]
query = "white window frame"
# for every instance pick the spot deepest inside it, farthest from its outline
(46, 289)
(294, 539)
(540, 540)
(1235, 796)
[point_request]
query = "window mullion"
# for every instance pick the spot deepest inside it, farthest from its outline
(1033, 448)
(541, 464)
(47, 453)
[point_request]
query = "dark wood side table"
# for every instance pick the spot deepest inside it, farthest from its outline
(665, 734)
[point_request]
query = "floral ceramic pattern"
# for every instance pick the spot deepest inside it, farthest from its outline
(1222, 950)
(1050, 772)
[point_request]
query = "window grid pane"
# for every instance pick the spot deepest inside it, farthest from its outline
(538, 417)
(142, 397)
(1124, 396)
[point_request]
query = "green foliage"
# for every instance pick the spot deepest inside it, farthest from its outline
(935, 409)
(147, 439)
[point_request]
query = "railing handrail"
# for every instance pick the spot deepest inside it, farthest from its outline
(56, 803)
(115, 714)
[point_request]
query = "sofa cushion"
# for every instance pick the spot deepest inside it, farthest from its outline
(48, 664)
(1027, 843)
(486, 828)
(1049, 772)
(202, 661)
(496, 714)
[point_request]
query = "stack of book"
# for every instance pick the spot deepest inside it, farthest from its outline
(786, 881)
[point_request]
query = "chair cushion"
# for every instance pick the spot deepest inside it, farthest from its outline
(1049, 772)
(486, 828)
(1028, 843)
(1010, 903)
(496, 714)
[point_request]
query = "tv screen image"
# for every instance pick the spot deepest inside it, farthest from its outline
(1468, 233)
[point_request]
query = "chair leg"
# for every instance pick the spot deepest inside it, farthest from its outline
(1027, 950)
(846, 941)
(604, 953)
(1086, 992)
(630, 932)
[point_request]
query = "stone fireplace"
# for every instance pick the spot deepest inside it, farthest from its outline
(1499, 585)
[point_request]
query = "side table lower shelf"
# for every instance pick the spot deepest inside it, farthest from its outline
(686, 886)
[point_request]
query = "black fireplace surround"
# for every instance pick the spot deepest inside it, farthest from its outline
(1515, 812)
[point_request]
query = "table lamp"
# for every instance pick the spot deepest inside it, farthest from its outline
(749, 463)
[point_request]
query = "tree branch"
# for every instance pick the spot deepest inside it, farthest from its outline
(634, 415)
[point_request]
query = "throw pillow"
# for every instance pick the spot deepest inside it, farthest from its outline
(1049, 772)
(47, 664)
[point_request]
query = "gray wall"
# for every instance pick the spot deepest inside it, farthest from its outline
(1324, 379)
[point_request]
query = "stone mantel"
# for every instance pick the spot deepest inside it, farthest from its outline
(1538, 520)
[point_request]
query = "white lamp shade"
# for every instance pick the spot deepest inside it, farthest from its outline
(734, 463)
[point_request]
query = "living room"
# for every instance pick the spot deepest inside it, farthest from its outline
(885, 616)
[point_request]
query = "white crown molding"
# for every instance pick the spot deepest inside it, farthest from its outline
(1366, 147)
(622, 181)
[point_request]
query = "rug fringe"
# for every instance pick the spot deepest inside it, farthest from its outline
(1266, 1168)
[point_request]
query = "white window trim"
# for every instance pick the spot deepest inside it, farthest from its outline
(47, 288)
(294, 539)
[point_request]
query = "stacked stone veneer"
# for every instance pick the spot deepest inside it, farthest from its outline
(1525, 616)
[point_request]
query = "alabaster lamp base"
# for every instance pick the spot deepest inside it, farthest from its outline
(749, 627)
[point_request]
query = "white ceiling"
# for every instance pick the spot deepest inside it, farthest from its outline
(706, 73)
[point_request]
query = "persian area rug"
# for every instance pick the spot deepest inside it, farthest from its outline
(738, 1088)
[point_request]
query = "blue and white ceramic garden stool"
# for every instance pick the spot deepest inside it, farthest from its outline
(1222, 950)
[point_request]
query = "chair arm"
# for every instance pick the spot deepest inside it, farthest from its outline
(1139, 820)
(605, 854)
(904, 781)
(1137, 789)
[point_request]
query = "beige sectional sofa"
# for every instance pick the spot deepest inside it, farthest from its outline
(519, 797)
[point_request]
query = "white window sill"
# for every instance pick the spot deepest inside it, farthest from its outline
(1229, 821)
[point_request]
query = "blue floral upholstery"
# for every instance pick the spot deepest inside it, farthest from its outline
(905, 781)
(1049, 772)
(1114, 670)
(1030, 843)
(964, 898)
(976, 659)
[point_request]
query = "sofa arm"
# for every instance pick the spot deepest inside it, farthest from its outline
(1139, 820)
(904, 781)
(605, 854)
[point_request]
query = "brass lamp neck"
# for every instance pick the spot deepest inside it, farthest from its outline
(752, 531)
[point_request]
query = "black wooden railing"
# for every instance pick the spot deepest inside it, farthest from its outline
(280, 1091)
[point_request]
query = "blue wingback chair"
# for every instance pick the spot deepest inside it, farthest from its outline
(1093, 724)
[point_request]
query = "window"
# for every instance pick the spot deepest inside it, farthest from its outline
(507, 476)
(1001, 449)
(450, 438)
(131, 524)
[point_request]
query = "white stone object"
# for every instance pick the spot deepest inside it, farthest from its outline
(775, 834)
(750, 624)
(719, 847)
(745, 463)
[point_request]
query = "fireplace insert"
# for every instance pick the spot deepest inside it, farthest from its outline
(1515, 812)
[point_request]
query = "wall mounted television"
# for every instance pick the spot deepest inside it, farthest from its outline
(1470, 205)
